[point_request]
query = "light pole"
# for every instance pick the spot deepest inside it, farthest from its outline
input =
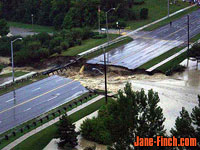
(168, 8)
(32, 19)
(107, 23)
(188, 18)
(12, 58)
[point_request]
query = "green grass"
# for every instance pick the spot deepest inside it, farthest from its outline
(99, 52)
(157, 9)
(173, 18)
(195, 38)
(167, 66)
(41, 139)
(17, 74)
(34, 28)
(160, 58)
(21, 84)
(86, 45)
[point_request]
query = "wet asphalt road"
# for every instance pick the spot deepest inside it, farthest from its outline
(148, 45)
(36, 99)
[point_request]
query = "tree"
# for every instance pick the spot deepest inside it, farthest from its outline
(66, 132)
(196, 120)
(134, 113)
(183, 127)
(4, 29)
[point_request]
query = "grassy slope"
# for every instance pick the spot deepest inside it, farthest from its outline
(86, 45)
(172, 63)
(34, 28)
(157, 10)
(41, 139)
(160, 58)
(17, 74)
(166, 21)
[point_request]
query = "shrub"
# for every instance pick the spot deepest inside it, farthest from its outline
(65, 45)
(195, 50)
(99, 36)
(43, 38)
(138, 2)
(144, 13)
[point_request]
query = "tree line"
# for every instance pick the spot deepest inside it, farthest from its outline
(65, 13)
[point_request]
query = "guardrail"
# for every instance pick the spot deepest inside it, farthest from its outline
(46, 117)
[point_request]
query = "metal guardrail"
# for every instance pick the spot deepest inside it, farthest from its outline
(46, 117)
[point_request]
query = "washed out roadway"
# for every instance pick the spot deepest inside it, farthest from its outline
(148, 45)
(35, 99)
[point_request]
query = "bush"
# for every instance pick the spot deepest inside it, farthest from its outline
(177, 68)
(99, 36)
(44, 38)
(78, 42)
(195, 50)
(144, 13)
(138, 2)
(87, 33)
(65, 45)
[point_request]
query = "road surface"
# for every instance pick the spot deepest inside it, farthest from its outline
(35, 99)
(148, 45)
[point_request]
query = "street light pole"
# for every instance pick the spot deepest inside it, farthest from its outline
(188, 18)
(107, 24)
(168, 8)
(105, 70)
(13, 78)
(32, 19)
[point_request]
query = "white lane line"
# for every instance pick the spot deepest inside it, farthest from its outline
(36, 89)
(0, 122)
(52, 98)
(10, 100)
(27, 109)
(59, 80)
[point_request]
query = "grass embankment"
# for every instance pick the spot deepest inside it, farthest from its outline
(17, 74)
(21, 84)
(173, 18)
(41, 139)
(157, 9)
(34, 28)
(160, 58)
(172, 63)
(99, 52)
(86, 45)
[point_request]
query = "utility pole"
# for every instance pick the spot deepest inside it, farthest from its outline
(99, 12)
(13, 77)
(32, 20)
(105, 72)
(188, 20)
(168, 8)
(107, 26)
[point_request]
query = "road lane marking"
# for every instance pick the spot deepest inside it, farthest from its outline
(59, 80)
(27, 109)
(10, 100)
(0, 122)
(52, 98)
(36, 97)
(36, 89)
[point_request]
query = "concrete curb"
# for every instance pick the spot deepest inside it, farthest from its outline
(19, 78)
(44, 126)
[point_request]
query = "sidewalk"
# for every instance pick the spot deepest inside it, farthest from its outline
(133, 32)
(169, 58)
(18, 78)
(44, 126)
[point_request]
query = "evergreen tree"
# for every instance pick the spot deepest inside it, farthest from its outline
(196, 120)
(4, 29)
(183, 127)
(67, 134)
